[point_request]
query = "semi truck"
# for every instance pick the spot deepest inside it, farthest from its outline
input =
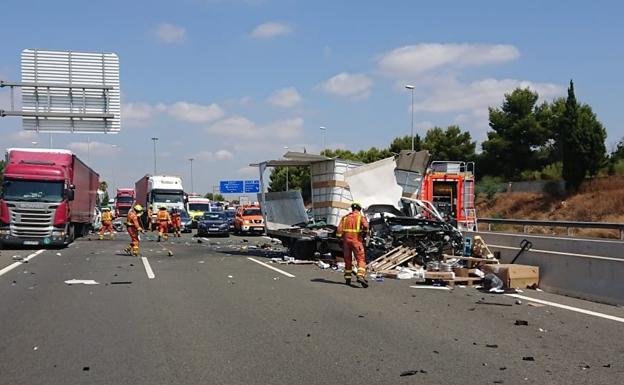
(123, 201)
(48, 197)
(158, 191)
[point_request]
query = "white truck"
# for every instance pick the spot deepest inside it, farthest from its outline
(160, 190)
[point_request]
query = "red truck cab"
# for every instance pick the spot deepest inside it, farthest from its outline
(48, 197)
(123, 201)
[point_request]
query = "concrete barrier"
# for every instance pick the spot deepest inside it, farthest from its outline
(582, 268)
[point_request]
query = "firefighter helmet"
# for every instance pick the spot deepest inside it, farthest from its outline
(355, 205)
(138, 208)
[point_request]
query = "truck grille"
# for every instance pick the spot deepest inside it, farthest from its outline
(257, 221)
(31, 222)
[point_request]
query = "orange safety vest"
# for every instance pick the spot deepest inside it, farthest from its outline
(107, 216)
(133, 220)
(163, 215)
(352, 226)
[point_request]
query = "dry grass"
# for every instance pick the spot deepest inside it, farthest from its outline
(599, 200)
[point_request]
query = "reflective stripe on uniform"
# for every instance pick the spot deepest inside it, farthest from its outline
(357, 225)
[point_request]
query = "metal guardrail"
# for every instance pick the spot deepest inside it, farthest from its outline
(525, 223)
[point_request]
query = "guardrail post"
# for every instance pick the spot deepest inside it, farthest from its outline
(490, 229)
(622, 234)
(524, 229)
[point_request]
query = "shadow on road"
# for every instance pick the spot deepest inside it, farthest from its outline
(323, 280)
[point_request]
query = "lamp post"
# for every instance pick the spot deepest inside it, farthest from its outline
(154, 139)
(323, 133)
(192, 185)
(286, 148)
(114, 147)
(411, 88)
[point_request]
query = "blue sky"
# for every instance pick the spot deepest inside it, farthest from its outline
(229, 82)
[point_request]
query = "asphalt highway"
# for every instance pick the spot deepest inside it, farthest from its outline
(210, 313)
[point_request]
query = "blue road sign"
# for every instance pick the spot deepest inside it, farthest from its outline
(252, 186)
(231, 186)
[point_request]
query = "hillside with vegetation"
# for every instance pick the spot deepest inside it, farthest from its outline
(597, 200)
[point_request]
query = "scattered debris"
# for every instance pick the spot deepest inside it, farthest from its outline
(482, 302)
(121, 283)
(85, 368)
(520, 322)
(528, 358)
(518, 302)
(201, 262)
(58, 254)
(229, 276)
(493, 346)
(170, 253)
(35, 347)
(533, 304)
(18, 258)
(81, 281)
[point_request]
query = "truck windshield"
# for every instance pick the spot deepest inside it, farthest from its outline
(128, 200)
(32, 191)
(199, 206)
(167, 196)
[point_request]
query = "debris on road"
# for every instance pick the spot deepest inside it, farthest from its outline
(18, 258)
(81, 281)
(121, 283)
(521, 323)
(482, 302)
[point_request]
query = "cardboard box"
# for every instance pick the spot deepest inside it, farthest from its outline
(514, 276)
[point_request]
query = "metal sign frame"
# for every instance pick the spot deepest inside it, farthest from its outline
(67, 91)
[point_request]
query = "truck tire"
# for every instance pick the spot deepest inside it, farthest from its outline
(71, 233)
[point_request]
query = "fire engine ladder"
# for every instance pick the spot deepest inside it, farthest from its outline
(470, 212)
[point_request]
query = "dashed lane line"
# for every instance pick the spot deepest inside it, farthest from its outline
(16, 264)
(271, 267)
(148, 268)
(571, 308)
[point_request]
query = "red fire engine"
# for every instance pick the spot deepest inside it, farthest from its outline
(449, 186)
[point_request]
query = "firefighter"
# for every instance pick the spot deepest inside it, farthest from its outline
(164, 220)
(107, 223)
(134, 227)
(176, 222)
(150, 213)
(351, 229)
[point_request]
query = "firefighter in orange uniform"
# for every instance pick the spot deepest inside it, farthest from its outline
(150, 213)
(107, 223)
(163, 220)
(351, 229)
(176, 222)
(134, 227)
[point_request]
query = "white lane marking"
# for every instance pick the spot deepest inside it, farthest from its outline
(16, 264)
(560, 253)
(148, 268)
(571, 308)
(272, 268)
(549, 237)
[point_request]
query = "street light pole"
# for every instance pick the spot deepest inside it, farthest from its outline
(286, 148)
(411, 88)
(114, 147)
(154, 139)
(192, 185)
(323, 129)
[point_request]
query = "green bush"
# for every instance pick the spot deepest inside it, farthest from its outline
(489, 186)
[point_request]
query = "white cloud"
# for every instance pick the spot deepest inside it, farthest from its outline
(479, 94)
(284, 129)
(285, 97)
(212, 156)
(352, 86)
(236, 126)
(22, 137)
(137, 114)
(248, 171)
(194, 113)
(270, 30)
(169, 33)
(92, 148)
(414, 60)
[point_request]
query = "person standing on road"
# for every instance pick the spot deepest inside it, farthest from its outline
(176, 222)
(150, 213)
(107, 223)
(134, 227)
(164, 220)
(351, 229)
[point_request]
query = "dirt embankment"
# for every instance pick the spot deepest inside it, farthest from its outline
(598, 200)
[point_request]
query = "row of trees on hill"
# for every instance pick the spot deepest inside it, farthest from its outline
(558, 139)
